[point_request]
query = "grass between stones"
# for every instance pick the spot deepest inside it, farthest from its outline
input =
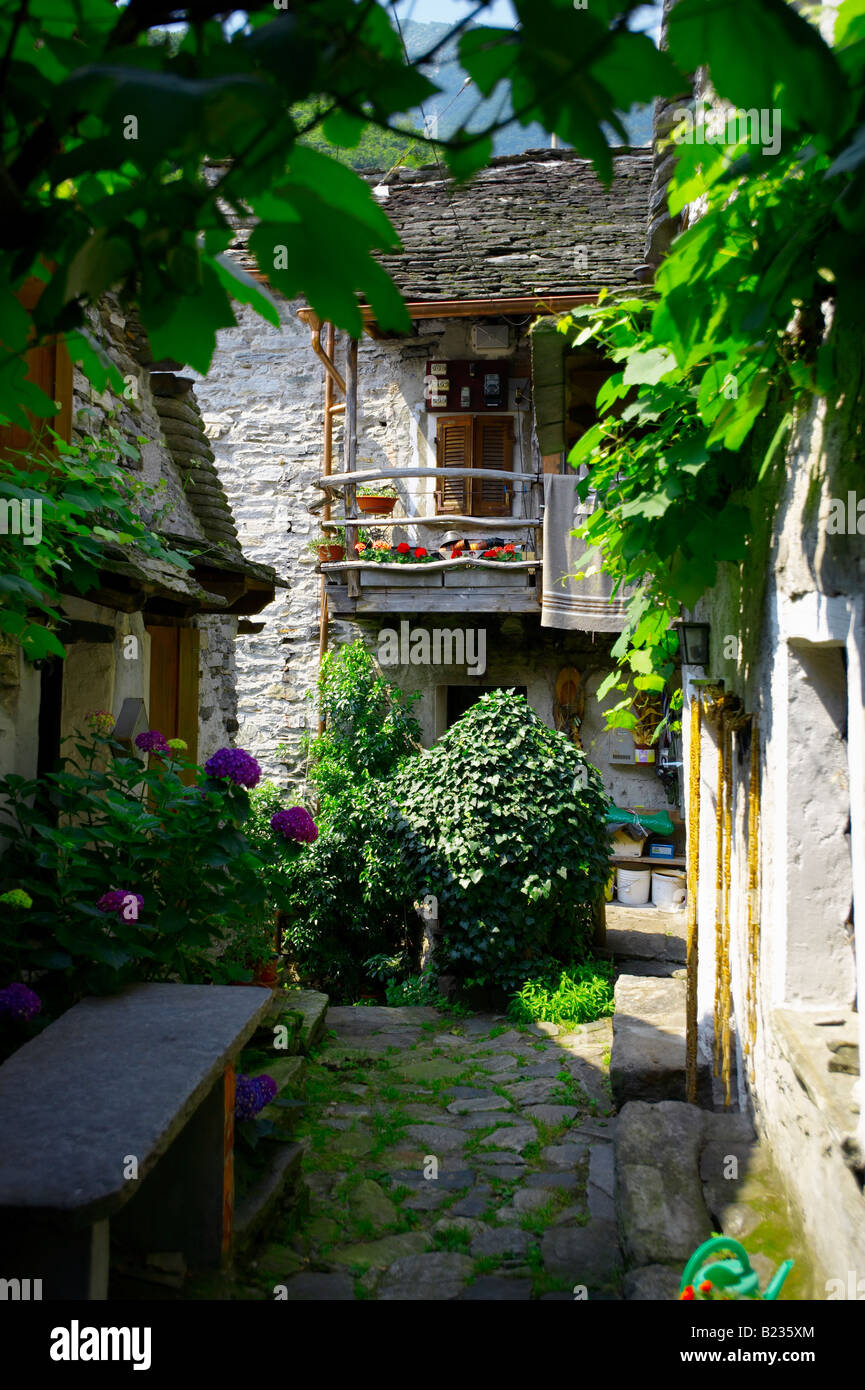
(376, 1143)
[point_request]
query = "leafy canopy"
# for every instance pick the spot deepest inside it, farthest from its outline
(732, 342)
(124, 154)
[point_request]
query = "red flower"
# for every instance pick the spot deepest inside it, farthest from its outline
(687, 1292)
(419, 553)
(491, 554)
(706, 1286)
(403, 548)
(510, 550)
(360, 547)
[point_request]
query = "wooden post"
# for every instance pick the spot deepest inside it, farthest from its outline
(693, 863)
(327, 463)
(350, 494)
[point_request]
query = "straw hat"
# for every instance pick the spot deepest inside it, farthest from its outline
(451, 538)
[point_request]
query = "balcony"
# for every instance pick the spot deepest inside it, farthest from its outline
(469, 584)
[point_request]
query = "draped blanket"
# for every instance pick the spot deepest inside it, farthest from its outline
(577, 604)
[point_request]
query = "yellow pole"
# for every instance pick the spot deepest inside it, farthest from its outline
(693, 876)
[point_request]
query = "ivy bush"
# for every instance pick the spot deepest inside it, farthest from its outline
(503, 821)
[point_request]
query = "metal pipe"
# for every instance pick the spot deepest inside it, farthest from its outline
(315, 327)
(350, 450)
(327, 460)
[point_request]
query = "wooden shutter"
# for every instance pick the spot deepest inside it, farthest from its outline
(493, 448)
(50, 367)
(454, 450)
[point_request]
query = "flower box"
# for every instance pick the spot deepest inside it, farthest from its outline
(407, 577)
(492, 578)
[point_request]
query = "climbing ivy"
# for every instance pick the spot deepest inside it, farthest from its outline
(742, 323)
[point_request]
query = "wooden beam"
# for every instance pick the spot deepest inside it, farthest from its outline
(371, 475)
(432, 567)
(539, 303)
(490, 523)
(433, 601)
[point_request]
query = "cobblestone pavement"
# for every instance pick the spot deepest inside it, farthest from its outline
(452, 1160)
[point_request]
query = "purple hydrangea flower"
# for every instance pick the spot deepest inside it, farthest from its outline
(234, 763)
(152, 742)
(17, 1001)
(252, 1093)
(267, 1089)
(114, 901)
(295, 824)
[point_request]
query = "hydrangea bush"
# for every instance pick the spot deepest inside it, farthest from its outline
(117, 871)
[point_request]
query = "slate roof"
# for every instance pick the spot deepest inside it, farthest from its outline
(216, 552)
(517, 228)
(514, 231)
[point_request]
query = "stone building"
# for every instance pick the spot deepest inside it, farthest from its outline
(152, 643)
(482, 269)
(781, 948)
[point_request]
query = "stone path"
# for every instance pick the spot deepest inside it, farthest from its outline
(452, 1160)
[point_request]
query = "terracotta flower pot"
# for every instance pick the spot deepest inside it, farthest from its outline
(331, 554)
(266, 973)
(376, 506)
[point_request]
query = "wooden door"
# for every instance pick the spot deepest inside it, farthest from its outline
(174, 656)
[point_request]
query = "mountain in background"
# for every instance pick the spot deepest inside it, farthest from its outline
(457, 105)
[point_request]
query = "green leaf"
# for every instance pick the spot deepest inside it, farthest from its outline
(648, 367)
(751, 46)
(242, 287)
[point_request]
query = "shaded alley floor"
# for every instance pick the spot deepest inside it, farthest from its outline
(452, 1159)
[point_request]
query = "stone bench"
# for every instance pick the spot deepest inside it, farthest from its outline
(122, 1111)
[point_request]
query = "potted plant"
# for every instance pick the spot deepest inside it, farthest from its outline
(330, 548)
(377, 501)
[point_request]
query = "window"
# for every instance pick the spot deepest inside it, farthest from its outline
(475, 441)
(460, 698)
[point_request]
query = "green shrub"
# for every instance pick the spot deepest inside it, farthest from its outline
(576, 994)
(503, 821)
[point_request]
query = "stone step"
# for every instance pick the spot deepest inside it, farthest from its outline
(682, 1173)
(645, 933)
(664, 969)
(312, 1008)
(287, 1072)
(648, 1055)
(279, 1180)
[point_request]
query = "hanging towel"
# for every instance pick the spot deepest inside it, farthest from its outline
(577, 604)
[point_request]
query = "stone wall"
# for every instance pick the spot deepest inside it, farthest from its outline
(262, 403)
(796, 612)
(138, 419)
(101, 676)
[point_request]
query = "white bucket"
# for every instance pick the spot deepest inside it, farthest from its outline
(632, 886)
(668, 889)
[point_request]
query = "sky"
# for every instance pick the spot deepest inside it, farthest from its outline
(500, 12)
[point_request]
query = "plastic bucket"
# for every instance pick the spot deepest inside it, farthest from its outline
(633, 885)
(668, 889)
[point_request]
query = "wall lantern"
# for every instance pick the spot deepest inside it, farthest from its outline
(693, 643)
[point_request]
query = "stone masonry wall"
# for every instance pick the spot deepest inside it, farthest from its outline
(262, 402)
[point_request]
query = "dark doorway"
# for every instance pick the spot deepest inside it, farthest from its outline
(462, 697)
